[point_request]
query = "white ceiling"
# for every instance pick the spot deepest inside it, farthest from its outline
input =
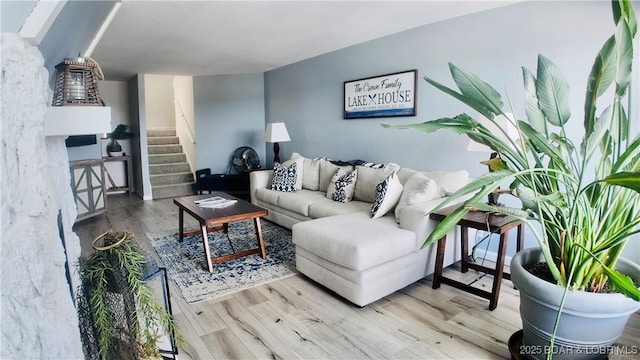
(232, 37)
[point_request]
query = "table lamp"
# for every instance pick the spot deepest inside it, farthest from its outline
(510, 134)
(276, 132)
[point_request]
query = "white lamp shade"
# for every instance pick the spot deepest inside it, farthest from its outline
(276, 132)
(504, 123)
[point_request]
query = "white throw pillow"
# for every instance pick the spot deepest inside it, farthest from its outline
(284, 177)
(299, 170)
(418, 188)
(310, 172)
(342, 185)
(388, 193)
(327, 170)
(369, 178)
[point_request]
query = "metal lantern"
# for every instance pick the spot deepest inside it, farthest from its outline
(77, 83)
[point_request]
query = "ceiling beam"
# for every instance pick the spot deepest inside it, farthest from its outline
(40, 19)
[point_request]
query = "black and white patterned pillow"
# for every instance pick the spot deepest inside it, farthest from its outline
(284, 178)
(368, 164)
(342, 186)
(388, 192)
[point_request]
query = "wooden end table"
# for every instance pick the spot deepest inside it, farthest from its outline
(219, 219)
(479, 220)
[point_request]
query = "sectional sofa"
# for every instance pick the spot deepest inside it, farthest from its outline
(358, 227)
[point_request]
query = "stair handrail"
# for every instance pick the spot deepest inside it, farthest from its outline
(191, 133)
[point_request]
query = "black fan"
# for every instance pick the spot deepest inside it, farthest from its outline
(244, 159)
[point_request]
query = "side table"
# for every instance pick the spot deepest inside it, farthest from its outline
(232, 184)
(497, 224)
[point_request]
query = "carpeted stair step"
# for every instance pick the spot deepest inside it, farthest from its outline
(169, 168)
(162, 140)
(175, 190)
(165, 149)
(167, 159)
(161, 132)
(169, 179)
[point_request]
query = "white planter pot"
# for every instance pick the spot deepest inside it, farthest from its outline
(590, 322)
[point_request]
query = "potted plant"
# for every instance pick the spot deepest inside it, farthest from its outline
(118, 312)
(581, 200)
(119, 133)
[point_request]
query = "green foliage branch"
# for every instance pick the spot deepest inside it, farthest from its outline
(119, 133)
(586, 196)
(119, 268)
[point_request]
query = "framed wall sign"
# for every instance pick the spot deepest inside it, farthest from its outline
(381, 96)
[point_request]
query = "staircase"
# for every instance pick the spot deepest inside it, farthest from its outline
(169, 170)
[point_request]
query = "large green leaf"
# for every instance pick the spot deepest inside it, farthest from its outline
(480, 107)
(527, 196)
(619, 123)
(630, 159)
(517, 214)
(622, 283)
(481, 185)
(484, 136)
(450, 221)
(624, 52)
(460, 124)
(540, 142)
(562, 142)
(601, 125)
(532, 106)
(601, 77)
(623, 10)
(474, 88)
(553, 92)
(629, 180)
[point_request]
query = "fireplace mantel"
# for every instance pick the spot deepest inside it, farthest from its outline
(77, 120)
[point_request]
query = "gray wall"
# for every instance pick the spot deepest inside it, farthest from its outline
(70, 35)
(229, 113)
(495, 44)
(13, 14)
(72, 31)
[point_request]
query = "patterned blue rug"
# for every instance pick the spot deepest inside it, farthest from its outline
(185, 262)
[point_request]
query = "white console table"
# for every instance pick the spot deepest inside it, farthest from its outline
(112, 185)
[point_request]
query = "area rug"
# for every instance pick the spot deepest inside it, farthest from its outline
(185, 262)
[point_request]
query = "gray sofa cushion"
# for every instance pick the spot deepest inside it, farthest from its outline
(355, 241)
(328, 207)
(310, 172)
(268, 195)
(299, 201)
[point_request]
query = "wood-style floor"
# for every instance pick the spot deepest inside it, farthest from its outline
(296, 318)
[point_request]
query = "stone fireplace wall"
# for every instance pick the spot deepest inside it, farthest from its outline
(38, 316)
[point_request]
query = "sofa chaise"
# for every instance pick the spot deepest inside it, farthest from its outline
(357, 227)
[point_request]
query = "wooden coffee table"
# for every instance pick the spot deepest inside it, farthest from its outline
(219, 219)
